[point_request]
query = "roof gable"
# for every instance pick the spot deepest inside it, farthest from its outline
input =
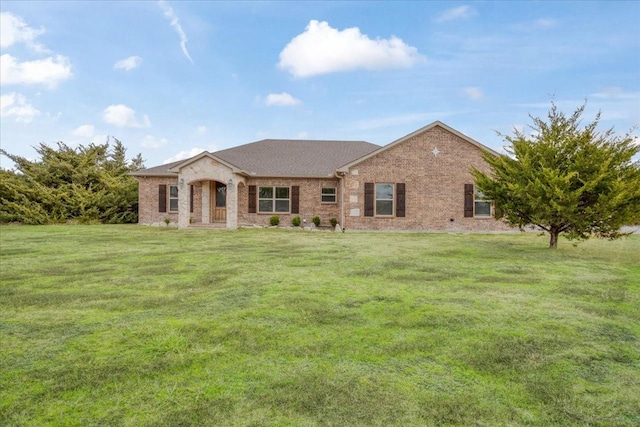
(204, 154)
(345, 168)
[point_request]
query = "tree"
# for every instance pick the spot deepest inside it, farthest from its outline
(87, 184)
(564, 178)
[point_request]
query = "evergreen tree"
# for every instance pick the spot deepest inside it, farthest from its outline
(87, 184)
(565, 178)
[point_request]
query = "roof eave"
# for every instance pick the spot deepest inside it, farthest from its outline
(141, 173)
(327, 176)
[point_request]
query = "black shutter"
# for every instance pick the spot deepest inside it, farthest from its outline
(191, 198)
(295, 199)
(468, 200)
(400, 199)
(368, 198)
(162, 198)
(252, 198)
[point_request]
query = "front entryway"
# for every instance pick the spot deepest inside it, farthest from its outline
(218, 202)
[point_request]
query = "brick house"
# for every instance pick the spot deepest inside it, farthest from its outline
(421, 181)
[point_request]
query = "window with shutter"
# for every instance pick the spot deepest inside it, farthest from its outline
(384, 199)
(173, 198)
(162, 198)
(274, 199)
(481, 205)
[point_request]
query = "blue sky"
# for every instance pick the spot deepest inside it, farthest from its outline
(170, 79)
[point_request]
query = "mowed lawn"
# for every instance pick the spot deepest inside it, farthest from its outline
(137, 326)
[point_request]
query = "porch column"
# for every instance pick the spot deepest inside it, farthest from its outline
(206, 202)
(184, 202)
(232, 203)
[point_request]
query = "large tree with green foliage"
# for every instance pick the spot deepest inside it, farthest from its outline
(566, 178)
(87, 184)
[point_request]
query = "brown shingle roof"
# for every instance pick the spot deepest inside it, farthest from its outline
(289, 157)
(284, 157)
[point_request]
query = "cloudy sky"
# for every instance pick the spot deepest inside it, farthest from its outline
(170, 79)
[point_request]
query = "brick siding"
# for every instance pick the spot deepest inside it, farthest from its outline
(434, 189)
(434, 184)
(310, 201)
(148, 201)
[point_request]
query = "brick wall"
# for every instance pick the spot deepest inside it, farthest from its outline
(310, 201)
(434, 184)
(148, 201)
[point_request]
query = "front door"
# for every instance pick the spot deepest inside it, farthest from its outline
(218, 202)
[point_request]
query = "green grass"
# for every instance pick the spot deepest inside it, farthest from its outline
(136, 326)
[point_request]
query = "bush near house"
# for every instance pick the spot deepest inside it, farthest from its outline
(85, 184)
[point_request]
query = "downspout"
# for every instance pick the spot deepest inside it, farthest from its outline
(342, 215)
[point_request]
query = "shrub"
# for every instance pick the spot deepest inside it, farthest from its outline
(274, 220)
(333, 222)
(167, 221)
(295, 221)
(316, 220)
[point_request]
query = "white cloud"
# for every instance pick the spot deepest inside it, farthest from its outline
(184, 155)
(128, 64)
(150, 141)
(15, 105)
(281, 100)
(122, 116)
(473, 93)
(86, 131)
(175, 23)
(461, 12)
(49, 71)
(201, 130)
(321, 49)
(14, 29)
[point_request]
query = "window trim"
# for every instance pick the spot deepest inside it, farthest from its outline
(176, 198)
(392, 199)
(273, 199)
(478, 197)
(334, 195)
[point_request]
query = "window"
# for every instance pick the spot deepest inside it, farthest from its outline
(173, 198)
(328, 194)
(273, 199)
(481, 205)
(384, 199)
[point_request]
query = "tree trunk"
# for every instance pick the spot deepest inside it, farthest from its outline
(553, 238)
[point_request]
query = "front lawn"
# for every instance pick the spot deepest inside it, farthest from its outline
(138, 326)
